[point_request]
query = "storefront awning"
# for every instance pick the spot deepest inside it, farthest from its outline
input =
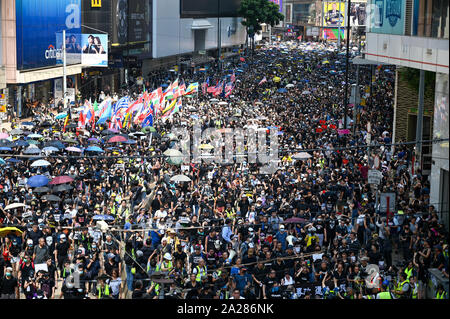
(201, 24)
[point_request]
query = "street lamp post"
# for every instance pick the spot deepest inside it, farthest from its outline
(347, 64)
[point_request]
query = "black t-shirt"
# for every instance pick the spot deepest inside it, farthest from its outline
(7, 286)
(62, 249)
(269, 283)
(2, 266)
(260, 274)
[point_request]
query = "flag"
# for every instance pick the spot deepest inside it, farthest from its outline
(263, 81)
(218, 89)
(204, 87)
(66, 122)
(81, 120)
(192, 88)
(106, 114)
(230, 89)
(148, 121)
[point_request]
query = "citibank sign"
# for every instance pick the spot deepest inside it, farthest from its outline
(52, 53)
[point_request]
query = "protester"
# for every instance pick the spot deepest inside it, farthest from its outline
(112, 220)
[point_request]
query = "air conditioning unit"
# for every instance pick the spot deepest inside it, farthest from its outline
(384, 46)
(429, 51)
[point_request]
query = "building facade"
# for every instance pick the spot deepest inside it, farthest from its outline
(413, 35)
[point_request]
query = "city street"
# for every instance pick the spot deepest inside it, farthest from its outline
(293, 166)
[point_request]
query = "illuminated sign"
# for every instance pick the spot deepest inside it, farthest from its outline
(96, 3)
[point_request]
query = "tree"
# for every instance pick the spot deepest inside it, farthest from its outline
(257, 12)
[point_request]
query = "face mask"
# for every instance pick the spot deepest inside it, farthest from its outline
(297, 249)
(8, 274)
(353, 258)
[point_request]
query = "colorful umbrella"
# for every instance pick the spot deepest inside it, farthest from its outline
(74, 149)
(117, 139)
(94, 149)
(61, 180)
(5, 231)
(37, 181)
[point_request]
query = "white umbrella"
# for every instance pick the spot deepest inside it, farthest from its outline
(40, 163)
(173, 152)
(14, 205)
(301, 156)
(290, 86)
(306, 92)
(180, 178)
(214, 100)
(35, 136)
(222, 103)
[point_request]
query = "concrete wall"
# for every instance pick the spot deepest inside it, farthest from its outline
(8, 38)
(440, 150)
(415, 52)
(172, 35)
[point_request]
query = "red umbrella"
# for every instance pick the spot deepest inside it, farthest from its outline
(318, 130)
(61, 180)
(117, 138)
(295, 220)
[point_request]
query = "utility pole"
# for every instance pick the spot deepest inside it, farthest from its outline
(419, 130)
(339, 26)
(64, 70)
(219, 35)
(346, 65)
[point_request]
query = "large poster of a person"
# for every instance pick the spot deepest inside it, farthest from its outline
(358, 14)
(334, 14)
(95, 49)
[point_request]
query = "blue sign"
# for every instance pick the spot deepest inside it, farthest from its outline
(38, 22)
(387, 16)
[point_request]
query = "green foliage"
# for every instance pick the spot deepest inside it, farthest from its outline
(257, 12)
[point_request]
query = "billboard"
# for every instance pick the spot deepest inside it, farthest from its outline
(139, 21)
(73, 48)
(95, 49)
(332, 34)
(333, 14)
(386, 16)
(37, 25)
(358, 14)
(279, 2)
(209, 8)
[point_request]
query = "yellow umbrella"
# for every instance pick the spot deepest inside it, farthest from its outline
(276, 79)
(206, 147)
(325, 62)
(5, 231)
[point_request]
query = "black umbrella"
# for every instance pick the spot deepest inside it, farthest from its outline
(41, 190)
(68, 201)
(51, 198)
(62, 188)
(46, 124)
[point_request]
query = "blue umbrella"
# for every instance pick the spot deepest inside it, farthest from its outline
(38, 181)
(56, 144)
(130, 142)
(165, 85)
(32, 151)
(2, 161)
(94, 149)
(103, 217)
(21, 143)
(239, 70)
(282, 90)
(28, 124)
(5, 149)
(61, 116)
(13, 160)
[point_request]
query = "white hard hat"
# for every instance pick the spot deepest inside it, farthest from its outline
(167, 256)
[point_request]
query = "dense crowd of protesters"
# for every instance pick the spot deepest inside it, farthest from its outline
(310, 230)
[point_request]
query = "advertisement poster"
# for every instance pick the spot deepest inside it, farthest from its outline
(94, 49)
(333, 14)
(387, 16)
(37, 25)
(332, 34)
(358, 14)
(73, 48)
